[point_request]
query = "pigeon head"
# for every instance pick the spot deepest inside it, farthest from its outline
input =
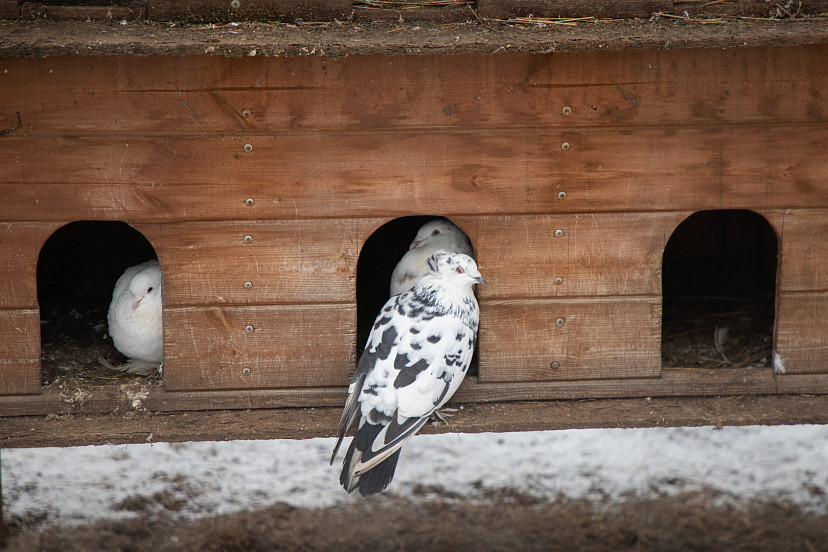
(455, 267)
(438, 230)
(146, 288)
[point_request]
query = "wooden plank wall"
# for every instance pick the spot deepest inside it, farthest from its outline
(272, 172)
(299, 11)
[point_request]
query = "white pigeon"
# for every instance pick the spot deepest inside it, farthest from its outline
(135, 323)
(417, 354)
(433, 235)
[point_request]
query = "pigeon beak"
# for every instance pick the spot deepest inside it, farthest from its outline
(414, 245)
(136, 302)
(480, 280)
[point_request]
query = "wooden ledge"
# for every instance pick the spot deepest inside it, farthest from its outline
(41, 38)
(302, 423)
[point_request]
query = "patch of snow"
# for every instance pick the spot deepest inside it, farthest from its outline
(85, 484)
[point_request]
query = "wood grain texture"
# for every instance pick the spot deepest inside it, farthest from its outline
(90, 399)
(287, 346)
(505, 9)
(247, 10)
(304, 423)
(37, 10)
(804, 251)
(19, 351)
(801, 337)
(297, 261)
(756, 8)
(309, 176)
(605, 338)
(9, 9)
(214, 94)
(19, 251)
(596, 255)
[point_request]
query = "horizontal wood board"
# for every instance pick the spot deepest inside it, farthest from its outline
(294, 11)
(332, 175)
(543, 340)
(171, 95)
(304, 423)
(258, 347)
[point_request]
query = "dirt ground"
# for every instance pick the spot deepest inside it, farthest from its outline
(508, 521)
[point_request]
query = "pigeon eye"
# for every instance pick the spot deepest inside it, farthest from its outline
(150, 290)
(435, 232)
(459, 270)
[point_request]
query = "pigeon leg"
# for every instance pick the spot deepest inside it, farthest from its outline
(445, 412)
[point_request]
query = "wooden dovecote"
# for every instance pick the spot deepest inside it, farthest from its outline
(258, 180)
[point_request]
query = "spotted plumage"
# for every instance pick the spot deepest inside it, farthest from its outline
(416, 357)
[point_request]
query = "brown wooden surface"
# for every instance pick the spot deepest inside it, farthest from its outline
(209, 94)
(79, 396)
(802, 340)
(9, 9)
(505, 9)
(308, 176)
(298, 261)
(339, 146)
(221, 10)
(37, 10)
(19, 250)
(804, 256)
(604, 338)
(303, 423)
(19, 351)
(598, 254)
(289, 346)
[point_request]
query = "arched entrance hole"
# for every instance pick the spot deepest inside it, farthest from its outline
(719, 286)
(76, 273)
(377, 259)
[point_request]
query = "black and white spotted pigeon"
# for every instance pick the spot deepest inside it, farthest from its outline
(134, 319)
(417, 354)
(433, 235)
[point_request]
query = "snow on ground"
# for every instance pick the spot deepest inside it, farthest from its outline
(83, 484)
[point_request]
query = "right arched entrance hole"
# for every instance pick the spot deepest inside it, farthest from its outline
(719, 286)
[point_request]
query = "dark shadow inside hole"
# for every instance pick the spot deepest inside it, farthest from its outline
(719, 286)
(380, 254)
(76, 273)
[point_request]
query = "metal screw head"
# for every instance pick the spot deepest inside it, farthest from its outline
(559, 322)
(250, 202)
(561, 195)
(566, 110)
(565, 146)
(248, 239)
(555, 365)
(245, 113)
(248, 148)
(248, 329)
(559, 233)
(245, 371)
(558, 281)
(248, 285)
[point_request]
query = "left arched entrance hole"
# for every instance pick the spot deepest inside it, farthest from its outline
(76, 273)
